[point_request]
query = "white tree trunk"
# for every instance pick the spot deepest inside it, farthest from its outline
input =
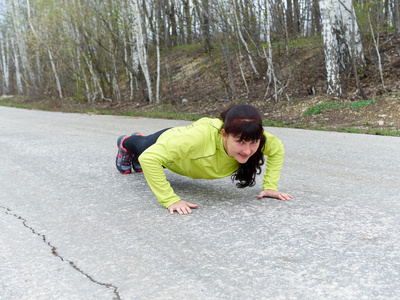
(244, 42)
(346, 22)
(141, 46)
(96, 82)
(21, 44)
(158, 62)
(270, 72)
(135, 62)
(5, 69)
(20, 89)
(55, 74)
(328, 17)
(339, 24)
(376, 43)
(38, 65)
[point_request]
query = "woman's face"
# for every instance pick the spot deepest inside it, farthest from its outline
(239, 149)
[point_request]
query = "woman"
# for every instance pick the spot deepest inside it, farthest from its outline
(234, 146)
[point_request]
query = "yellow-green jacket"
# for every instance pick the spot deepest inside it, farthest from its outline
(197, 151)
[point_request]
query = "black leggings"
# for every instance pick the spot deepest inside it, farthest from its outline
(136, 144)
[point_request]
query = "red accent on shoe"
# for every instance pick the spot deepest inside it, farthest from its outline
(122, 143)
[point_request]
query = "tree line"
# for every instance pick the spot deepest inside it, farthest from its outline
(103, 49)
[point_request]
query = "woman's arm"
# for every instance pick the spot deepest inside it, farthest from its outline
(152, 165)
(275, 152)
(152, 161)
(173, 146)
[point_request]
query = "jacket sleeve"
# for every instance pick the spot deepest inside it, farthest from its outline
(179, 145)
(274, 151)
(152, 161)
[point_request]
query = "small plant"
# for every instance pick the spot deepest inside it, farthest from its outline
(358, 104)
(329, 106)
(320, 108)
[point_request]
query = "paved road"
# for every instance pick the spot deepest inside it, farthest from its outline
(72, 227)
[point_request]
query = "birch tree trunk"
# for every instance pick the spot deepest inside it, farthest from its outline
(141, 46)
(55, 74)
(20, 89)
(38, 66)
(239, 32)
(270, 72)
(328, 18)
(346, 23)
(158, 60)
(352, 38)
(5, 68)
(339, 24)
(48, 51)
(376, 42)
(20, 39)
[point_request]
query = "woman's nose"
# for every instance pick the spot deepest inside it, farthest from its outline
(246, 149)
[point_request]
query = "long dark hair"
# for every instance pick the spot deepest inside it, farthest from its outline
(245, 122)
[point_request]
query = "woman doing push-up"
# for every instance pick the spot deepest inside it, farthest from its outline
(234, 145)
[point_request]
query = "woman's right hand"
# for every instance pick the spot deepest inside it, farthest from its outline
(182, 207)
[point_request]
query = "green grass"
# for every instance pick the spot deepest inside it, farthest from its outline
(329, 106)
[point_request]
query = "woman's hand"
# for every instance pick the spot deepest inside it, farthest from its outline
(274, 194)
(182, 207)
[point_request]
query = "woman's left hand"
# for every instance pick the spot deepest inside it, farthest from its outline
(274, 194)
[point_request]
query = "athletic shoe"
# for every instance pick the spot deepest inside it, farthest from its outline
(123, 160)
(135, 162)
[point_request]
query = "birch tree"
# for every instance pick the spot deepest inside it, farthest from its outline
(142, 53)
(21, 43)
(157, 33)
(240, 35)
(39, 44)
(4, 63)
(328, 18)
(341, 36)
(268, 54)
(18, 76)
(346, 24)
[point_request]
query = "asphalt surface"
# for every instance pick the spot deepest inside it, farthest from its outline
(72, 227)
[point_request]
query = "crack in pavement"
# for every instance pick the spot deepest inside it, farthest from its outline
(55, 253)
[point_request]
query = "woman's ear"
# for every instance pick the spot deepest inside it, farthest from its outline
(223, 133)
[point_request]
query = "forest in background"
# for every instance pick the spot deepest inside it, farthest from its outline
(132, 51)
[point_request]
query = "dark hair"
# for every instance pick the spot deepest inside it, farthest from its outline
(244, 121)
